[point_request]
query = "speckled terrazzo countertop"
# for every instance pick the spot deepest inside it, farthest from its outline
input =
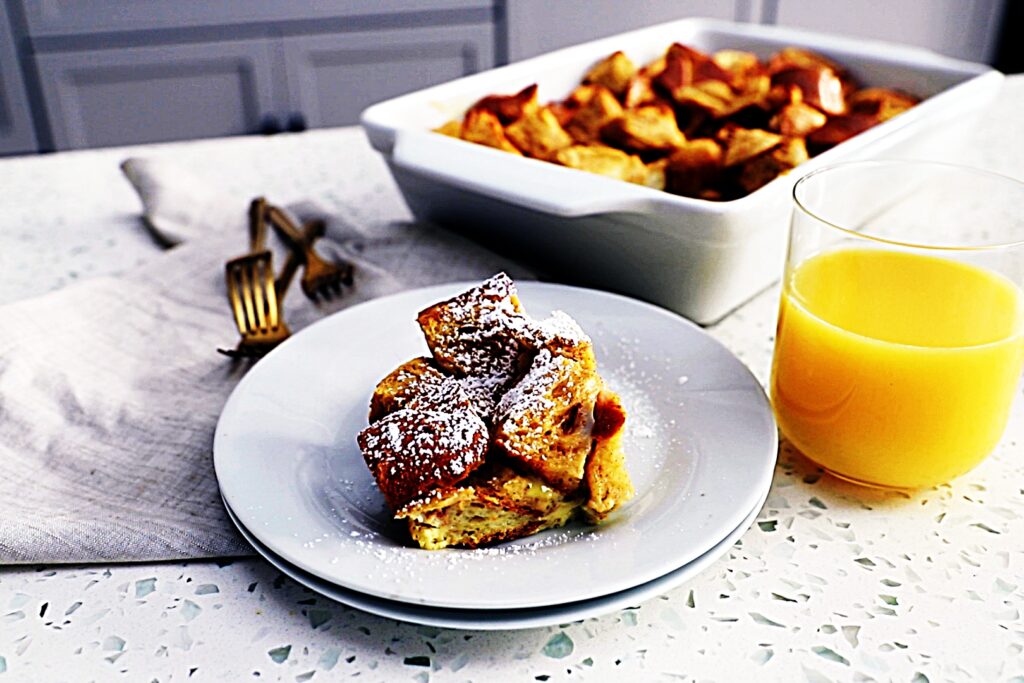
(831, 583)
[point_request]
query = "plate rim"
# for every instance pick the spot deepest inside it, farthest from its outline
(446, 290)
(507, 619)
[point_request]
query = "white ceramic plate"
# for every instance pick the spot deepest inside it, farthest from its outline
(510, 619)
(700, 442)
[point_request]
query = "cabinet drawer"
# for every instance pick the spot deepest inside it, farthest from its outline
(152, 94)
(332, 78)
(70, 17)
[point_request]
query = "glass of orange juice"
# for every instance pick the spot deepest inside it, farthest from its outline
(901, 326)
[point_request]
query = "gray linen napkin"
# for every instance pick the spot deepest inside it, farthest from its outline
(110, 389)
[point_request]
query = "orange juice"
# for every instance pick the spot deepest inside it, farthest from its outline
(895, 369)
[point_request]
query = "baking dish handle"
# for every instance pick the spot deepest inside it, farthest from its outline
(528, 183)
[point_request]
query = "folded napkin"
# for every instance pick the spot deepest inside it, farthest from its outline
(110, 389)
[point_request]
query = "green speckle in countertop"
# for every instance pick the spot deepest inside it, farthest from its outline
(329, 659)
(763, 620)
(190, 610)
(114, 643)
(558, 646)
(207, 589)
(144, 587)
(830, 654)
(280, 654)
(319, 617)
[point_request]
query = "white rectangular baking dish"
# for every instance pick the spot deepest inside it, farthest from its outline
(699, 258)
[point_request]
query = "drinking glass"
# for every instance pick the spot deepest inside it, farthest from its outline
(901, 326)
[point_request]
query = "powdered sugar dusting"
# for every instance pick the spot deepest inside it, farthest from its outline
(531, 392)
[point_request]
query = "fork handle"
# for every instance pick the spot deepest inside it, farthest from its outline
(257, 224)
(285, 228)
(310, 233)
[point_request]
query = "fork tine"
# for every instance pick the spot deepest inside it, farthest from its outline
(273, 310)
(256, 278)
(236, 300)
(245, 283)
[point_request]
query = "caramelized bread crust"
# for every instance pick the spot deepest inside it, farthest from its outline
(499, 506)
(545, 421)
(430, 445)
(507, 430)
(402, 384)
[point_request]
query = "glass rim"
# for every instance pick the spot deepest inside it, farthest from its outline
(995, 246)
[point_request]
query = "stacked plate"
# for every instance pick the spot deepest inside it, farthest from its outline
(700, 446)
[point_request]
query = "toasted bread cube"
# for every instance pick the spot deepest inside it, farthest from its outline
(596, 112)
(402, 385)
(656, 176)
(414, 453)
(713, 99)
(738, 63)
(764, 168)
(789, 57)
(452, 129)
(797, 120)
(603, 160)
(484, 128)
(651, 127)
(882, 102)
(641, 87)
(539, 134)
(693, 167)
(841, 128)
(742, 144)
(544, 421)
(607, 481)
(476, 336)
(509, 108)
(562, 336)
(613, 72)
(820, 86)
(685, 66)
(500, 505)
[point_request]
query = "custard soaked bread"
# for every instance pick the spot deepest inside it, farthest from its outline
(507, 430)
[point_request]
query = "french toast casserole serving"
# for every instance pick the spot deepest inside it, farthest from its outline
(508, 429)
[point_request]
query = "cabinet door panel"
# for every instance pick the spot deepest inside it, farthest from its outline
(17, 135)
(332, 78)
(959, 28)
(70, 17)
(152, 94)
(539, 26)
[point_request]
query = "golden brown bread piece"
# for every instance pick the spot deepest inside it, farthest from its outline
(419, 450)
(544, 422)
(473, 337)
(499, 505)
(553, 451)
(402, 384)
(538, 134)
(607, 483)
(614, 72)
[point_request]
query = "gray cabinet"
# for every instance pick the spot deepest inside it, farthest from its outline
(150, 94)
(967, 29)
(539, 26)
(332, 78)
(74, 17)
(17, 135)
(114, 72)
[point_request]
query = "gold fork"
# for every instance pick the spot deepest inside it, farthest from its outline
(254, 301)
(319, 278)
